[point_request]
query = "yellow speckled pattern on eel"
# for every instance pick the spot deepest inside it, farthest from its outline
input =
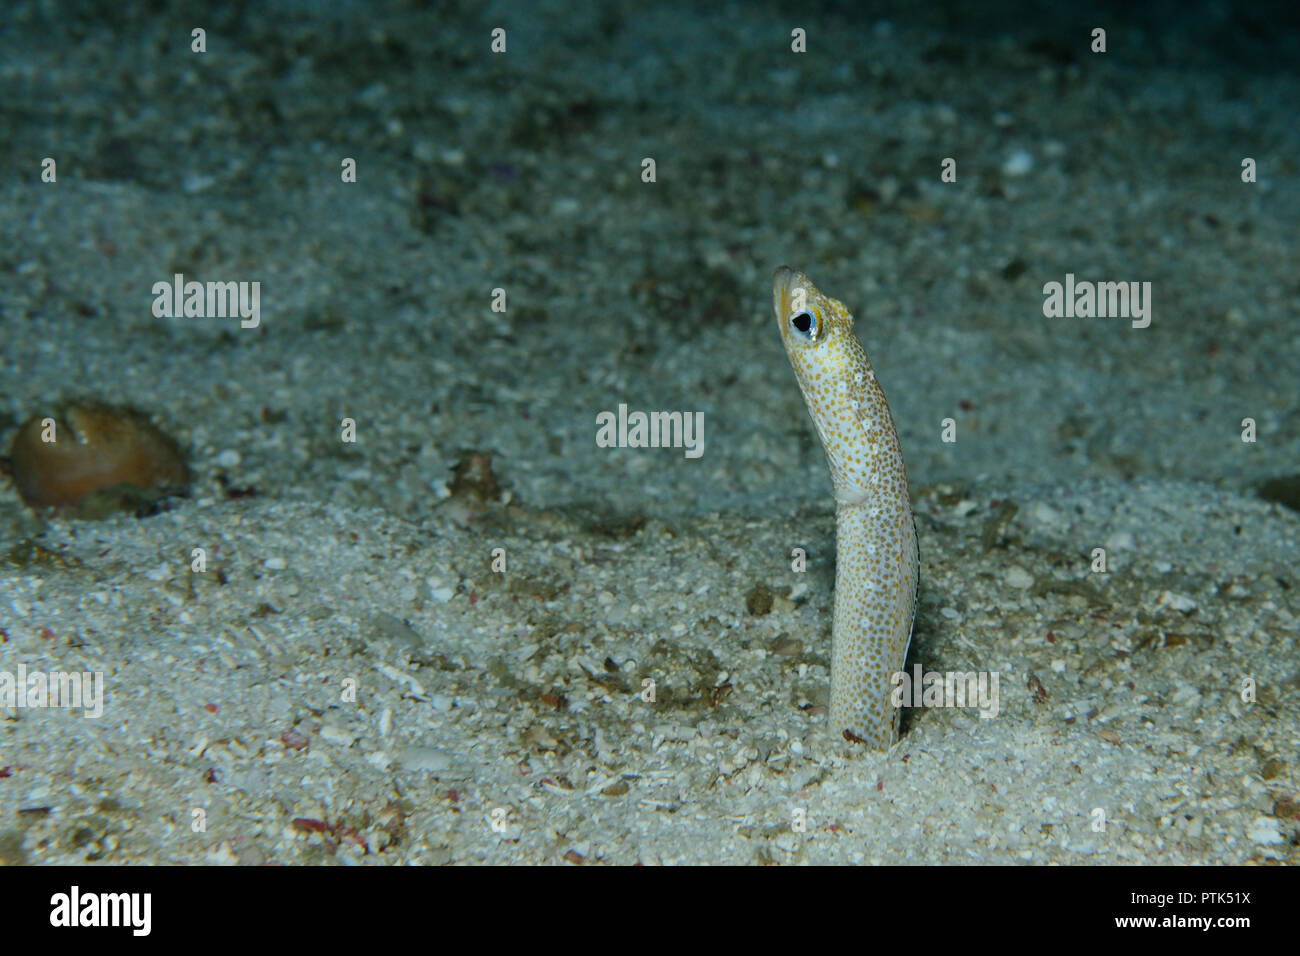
(876, 565)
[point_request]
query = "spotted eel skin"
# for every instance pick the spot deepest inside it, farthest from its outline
(877, 558)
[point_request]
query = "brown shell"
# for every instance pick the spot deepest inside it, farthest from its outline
(95, 447)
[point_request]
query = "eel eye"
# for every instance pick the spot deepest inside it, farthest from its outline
(806, 323)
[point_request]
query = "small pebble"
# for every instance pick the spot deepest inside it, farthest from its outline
(336, 735)
(1176, 601)
(1265, 831)
(758, 602)
(1017, 577)
(1120, 541)
(424, 759)
(1018, 163)
(1045, 515)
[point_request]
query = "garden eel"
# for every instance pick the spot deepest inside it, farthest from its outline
(877, 558)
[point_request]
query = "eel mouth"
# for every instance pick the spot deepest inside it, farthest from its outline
(783, 280)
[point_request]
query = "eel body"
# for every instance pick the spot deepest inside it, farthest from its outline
(877, 558)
